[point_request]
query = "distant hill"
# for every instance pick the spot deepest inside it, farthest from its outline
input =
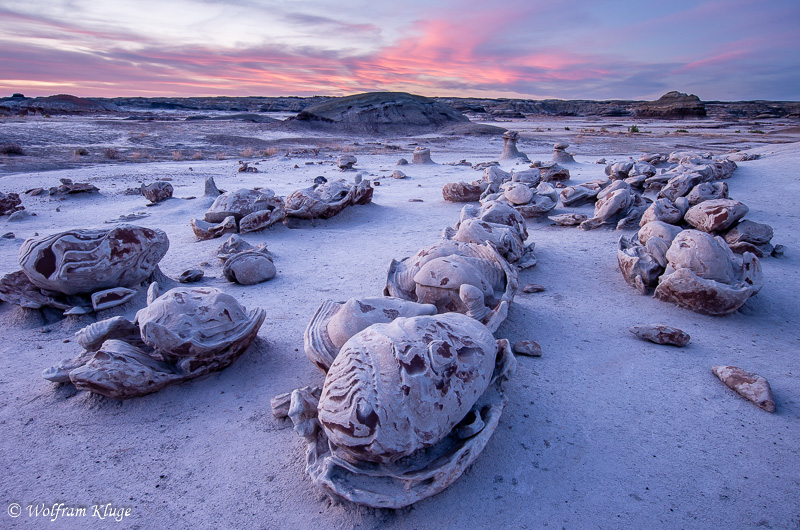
(370, 111)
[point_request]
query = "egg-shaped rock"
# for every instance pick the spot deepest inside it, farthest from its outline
(398, 387)
(89, 260)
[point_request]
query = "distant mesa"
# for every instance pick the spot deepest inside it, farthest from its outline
(383, 112)
(58, 104)
(672, 105)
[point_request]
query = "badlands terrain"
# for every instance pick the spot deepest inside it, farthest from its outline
(603, 430)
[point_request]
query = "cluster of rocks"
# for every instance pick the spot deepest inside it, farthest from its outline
(693, 246)
(246, 210)
(373, 445)
(66, 187)
(532, 192)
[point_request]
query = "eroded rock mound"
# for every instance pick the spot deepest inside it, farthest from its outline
(672, 105)
(380, 111)
(183, 334)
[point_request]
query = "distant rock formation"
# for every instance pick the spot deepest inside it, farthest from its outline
(379, 112)
(58, 104)
(672, 105)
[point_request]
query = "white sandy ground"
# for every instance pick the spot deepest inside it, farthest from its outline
(602, 431)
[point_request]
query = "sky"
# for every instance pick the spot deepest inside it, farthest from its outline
(573, 49)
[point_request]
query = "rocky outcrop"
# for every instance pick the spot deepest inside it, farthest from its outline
(379, 112)
(672, 105)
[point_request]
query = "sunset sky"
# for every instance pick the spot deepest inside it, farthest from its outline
(579, 49)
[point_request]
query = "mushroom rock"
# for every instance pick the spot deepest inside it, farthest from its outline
(421, 155)
(753, 387)
(346, 162)
(661, 334)
(510, 151)
(612, 187)
(560, 155)
(662, 210)
(704, 275)
(157, 191)
(715, 215)
(706, 191)
(89, 260)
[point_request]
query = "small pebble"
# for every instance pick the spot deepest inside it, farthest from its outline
(527, 347)
(778, 251)
(533, 288)
(8, 235)
(415, 200)
(376, 183)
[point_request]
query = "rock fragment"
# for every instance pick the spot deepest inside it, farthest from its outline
(157, 191)
(661, 334)
(750, 386)
(346, 162)
(533, 288)
(527, 347)
(568, 219)
(190, 275)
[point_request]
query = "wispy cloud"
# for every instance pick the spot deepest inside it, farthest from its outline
(441, 47)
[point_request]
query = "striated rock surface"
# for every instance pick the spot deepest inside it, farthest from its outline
(750, 386)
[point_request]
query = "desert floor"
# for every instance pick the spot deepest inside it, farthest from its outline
(604, 430)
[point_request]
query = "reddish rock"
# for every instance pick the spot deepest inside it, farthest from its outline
(752, 387)
(661, 334)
